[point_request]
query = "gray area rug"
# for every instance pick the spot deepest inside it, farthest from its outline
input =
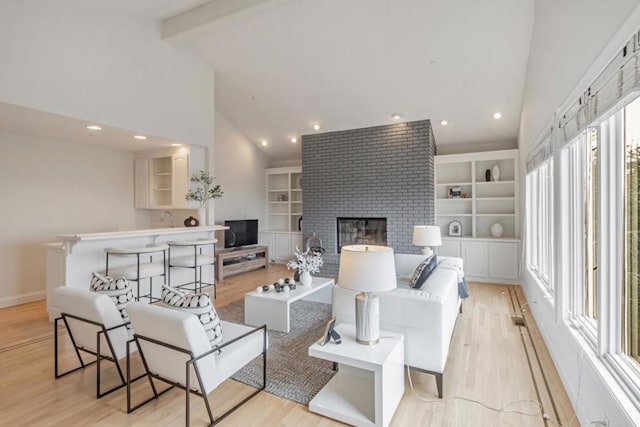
(291, 372)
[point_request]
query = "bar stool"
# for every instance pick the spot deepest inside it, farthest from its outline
(196, 260)
(142, 269)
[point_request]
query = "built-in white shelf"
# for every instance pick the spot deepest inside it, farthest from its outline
(485, 202)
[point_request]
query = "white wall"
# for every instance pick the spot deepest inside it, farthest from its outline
(567, 47)
(476, 147)
(51, 187)
(277, 163)
(567, 37)
(239, 167)
(106, 69)
(101, 68)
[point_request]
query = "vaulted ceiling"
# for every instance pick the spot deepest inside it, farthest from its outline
(283, 65)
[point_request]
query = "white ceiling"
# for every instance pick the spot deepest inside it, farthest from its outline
(350, 64)
(283, 65)
(146, 9)
(25, 121)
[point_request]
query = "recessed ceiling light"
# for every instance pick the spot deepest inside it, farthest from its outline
(176, 145)
(294, 139)
(264, 142)
(497, 115)
(395, 116)
(140, 137)
(94, 127)
(444, 122)
(316, 126)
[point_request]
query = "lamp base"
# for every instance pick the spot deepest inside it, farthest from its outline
(427, 252)
(367, 318)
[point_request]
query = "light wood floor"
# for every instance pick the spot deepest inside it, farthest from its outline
(491, 360)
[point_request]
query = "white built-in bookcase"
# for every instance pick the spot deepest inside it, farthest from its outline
(486, 202)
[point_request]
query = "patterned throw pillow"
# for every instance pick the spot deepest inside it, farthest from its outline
(423, 271)
(118, 290)
(198, 304)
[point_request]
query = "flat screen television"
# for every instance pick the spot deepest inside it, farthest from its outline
(241, 232)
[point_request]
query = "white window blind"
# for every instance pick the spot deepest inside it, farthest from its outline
(615, 86)
(542, 151)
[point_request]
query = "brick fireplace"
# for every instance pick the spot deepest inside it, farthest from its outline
(382, 172)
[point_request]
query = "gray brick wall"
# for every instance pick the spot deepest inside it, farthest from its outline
(382, 171)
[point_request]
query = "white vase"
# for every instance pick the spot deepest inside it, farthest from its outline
(202, 216)
(495, 173)
(496, 229)
(305, 278)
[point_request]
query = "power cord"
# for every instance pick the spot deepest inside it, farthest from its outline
(503, 409)
(499, 410)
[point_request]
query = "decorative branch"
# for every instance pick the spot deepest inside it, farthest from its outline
(205, 190)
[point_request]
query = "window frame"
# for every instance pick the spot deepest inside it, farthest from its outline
(539, 225)
(605, 335)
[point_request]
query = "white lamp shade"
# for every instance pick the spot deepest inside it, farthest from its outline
(426, 235)
(367, 268)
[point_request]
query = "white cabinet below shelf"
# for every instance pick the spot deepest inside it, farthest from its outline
(485, 259)
(282, 244)
(475, 256)
(503, 260)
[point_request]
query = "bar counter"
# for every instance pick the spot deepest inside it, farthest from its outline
(72, 260)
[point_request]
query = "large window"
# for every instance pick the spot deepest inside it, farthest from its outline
(594, 229)
(539, 215)
(631, 300)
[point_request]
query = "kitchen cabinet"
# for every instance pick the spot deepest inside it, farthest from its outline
(162, 177)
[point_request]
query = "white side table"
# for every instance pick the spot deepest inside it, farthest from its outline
(369, 384)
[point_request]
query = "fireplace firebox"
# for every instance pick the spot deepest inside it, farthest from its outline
(361, 231)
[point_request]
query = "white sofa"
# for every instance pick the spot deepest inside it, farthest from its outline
(425, 316)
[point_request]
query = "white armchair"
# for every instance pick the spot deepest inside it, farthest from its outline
(95, 327)
(175, 349)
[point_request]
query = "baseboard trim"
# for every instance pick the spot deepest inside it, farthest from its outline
(494, 280)
(22, 299)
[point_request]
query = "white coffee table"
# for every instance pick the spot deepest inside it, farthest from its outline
(369, 383)
(273, 308)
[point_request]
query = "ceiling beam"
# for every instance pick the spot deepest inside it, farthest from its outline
(195, 21)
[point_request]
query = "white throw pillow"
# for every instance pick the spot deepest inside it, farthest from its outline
(197, 304)
(118, 290)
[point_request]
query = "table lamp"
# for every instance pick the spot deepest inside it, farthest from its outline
(368, 269)
(426, 236)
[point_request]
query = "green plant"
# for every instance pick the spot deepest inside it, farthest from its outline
(204, 189)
